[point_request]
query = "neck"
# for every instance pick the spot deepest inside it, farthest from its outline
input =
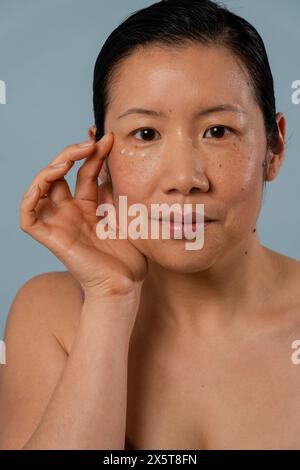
(235, 286)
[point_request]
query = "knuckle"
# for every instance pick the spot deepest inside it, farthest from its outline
(69, 148)
(23, 227)
(45, 172)
(23, 201)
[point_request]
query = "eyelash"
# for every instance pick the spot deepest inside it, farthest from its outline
(210, 128)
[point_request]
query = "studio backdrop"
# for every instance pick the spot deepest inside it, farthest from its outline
(47, 53)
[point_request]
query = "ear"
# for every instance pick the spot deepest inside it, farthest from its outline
(276, 156)
(92, 132)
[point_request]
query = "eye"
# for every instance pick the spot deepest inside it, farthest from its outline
(218, 132)
(148, 133)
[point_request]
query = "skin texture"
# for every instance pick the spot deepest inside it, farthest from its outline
(216, 311)
(185, 163)
(209, 361)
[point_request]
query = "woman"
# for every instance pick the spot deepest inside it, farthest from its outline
(172, 349)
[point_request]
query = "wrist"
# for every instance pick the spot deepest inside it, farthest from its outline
(114, 290)
(116, 311)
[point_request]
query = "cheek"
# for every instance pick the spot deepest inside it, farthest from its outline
(134, 170)
(238, 178)
(239, 186)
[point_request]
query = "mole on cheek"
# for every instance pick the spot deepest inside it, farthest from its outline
(220, 166)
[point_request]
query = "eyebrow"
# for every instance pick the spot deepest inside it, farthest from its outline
(203, 112)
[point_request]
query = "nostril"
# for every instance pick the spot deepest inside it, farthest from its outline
(194, 190)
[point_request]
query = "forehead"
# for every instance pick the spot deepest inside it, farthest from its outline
(180, 76)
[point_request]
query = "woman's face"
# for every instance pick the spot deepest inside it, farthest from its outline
(174, 154)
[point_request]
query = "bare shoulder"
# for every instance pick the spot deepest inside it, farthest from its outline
(50, 301)
(287, 289)
(40, 329)
(290, 268)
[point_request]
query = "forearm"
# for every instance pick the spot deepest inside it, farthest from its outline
(88, 407)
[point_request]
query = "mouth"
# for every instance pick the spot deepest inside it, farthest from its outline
(177, 223)
(186, 219)
(179, 230)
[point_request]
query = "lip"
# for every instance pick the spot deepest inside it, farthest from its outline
(193, 216)
(179, 228)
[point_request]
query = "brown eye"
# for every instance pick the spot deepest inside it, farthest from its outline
(147, 133)
(218, 132)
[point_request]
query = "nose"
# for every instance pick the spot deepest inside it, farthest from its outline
(183, 168)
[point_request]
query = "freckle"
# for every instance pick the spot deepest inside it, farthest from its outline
(220, 166)
(243, 189)
(246, 252)
(254, 230)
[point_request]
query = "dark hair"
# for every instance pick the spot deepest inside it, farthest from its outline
(174, 23)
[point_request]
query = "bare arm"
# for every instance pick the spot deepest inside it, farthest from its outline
(49, 399)
(87, 406)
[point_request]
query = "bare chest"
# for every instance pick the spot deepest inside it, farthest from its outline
(215, 396)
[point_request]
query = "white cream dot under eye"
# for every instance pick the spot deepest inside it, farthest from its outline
(131, 153)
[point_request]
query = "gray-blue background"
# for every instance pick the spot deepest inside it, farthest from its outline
(47, 53)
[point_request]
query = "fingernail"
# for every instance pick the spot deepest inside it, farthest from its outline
(59, 165)
(86, 143)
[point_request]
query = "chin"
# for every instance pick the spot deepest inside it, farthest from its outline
(184, 266)
(174, 257)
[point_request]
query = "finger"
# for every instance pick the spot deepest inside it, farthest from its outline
(46, 177)
(29, 221)
(86, 187)
(104, 173)
(70, 154)
(59, 192)
(106, 197)
(105, 193)
(75, 152)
